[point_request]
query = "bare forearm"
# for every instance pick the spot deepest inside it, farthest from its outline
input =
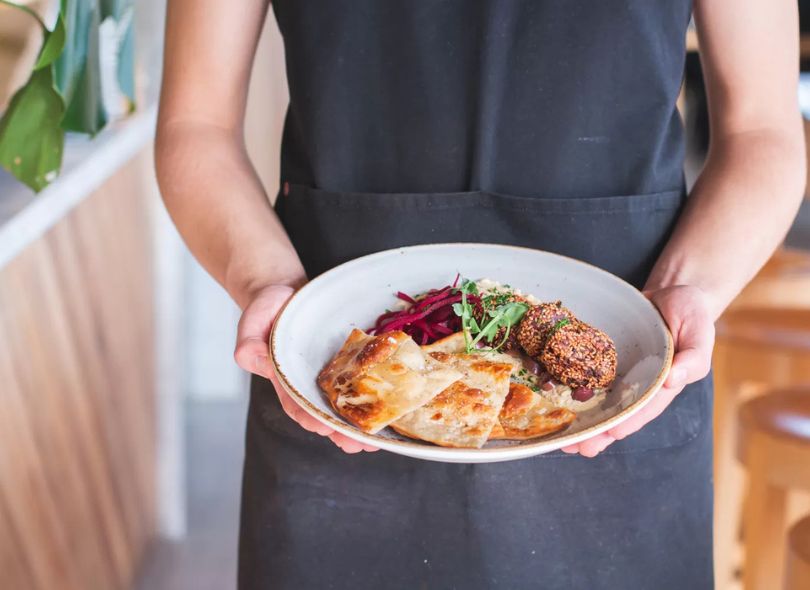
(217, 202)
(738, 213)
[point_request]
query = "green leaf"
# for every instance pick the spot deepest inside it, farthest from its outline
(505, 316)
(558, 325)
(469, 287)
(31, 139)
(126, 63)
(53, 44)
(514, 312)
(113, 8)
(78, 73)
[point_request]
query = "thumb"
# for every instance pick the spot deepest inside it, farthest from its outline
(693, 354)
(252, 353)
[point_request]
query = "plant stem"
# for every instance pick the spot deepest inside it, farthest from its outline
(464, 325)
(27, 10)
(481, 334)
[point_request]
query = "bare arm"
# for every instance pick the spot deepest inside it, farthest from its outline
(753, 181)
(208, 183)
(747, 195)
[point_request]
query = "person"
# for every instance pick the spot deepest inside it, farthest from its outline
(537, 123)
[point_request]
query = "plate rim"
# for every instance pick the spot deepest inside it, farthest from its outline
(541, 446)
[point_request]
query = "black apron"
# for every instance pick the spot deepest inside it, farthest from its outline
(541, 123)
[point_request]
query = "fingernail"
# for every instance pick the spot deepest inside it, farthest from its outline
(260, 363)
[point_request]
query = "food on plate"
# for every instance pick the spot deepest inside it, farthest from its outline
(427, 318)
(579, 355)
(489, 314)
(526, 414)
(538, 324)
(494, 363)
(452, 343)
(373, 380)
(505, 334)
(463, 414)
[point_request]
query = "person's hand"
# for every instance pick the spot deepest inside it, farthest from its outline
(253, 355)
(686, 311)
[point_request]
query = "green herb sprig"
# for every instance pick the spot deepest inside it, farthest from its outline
(557, 326)
(499, 313)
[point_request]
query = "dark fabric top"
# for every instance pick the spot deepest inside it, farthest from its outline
(546, 98)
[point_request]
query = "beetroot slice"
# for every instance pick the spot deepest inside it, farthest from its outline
(429, 316)
(406, 297)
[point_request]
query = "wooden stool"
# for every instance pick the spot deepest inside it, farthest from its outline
(757, 350)
(797, 575)
(774, 445)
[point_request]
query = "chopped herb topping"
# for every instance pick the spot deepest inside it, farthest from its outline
(500, 312)
(558, 325)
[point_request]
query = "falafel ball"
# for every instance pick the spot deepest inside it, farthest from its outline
(538, 323)
(579, 355)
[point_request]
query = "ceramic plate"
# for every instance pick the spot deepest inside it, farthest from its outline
(318, 318)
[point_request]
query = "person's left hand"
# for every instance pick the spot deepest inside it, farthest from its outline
(686, 311)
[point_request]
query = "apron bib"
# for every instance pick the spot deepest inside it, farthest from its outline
(637, 516)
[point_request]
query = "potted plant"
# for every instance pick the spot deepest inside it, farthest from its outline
(63, 91)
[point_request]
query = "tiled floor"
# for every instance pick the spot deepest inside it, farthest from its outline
(206, 559)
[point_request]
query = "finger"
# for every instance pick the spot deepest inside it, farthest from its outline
(347, 445)
(351, 445)
(689, 365)
(252, 354)
(595, 445)
(253, 330)
(571, 449)
(299, 415)
(694, 341)
(311, 424)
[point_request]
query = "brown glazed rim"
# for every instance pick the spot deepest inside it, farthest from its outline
(559, 441)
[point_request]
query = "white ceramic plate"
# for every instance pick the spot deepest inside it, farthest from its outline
(318, 318)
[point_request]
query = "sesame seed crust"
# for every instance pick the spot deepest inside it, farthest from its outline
(580, 355)
(537, 324)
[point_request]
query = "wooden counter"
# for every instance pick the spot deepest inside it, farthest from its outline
(77, 389)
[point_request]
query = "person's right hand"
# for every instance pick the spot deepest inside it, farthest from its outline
(253, 355)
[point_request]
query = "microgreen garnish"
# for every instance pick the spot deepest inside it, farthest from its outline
(499, 312)
(558, 325)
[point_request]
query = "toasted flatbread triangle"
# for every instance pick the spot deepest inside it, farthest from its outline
(454, 344)
(526, 414)
(373, 380)
(451, 343)
(463, 414)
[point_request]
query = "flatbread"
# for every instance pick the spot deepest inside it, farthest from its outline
(526, 414)
(373, 380)
(464, 413)
(454, 344)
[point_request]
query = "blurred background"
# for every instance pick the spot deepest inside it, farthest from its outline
(121, 410)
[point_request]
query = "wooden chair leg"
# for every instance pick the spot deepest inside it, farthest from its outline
(763, 533)
(797, 568)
